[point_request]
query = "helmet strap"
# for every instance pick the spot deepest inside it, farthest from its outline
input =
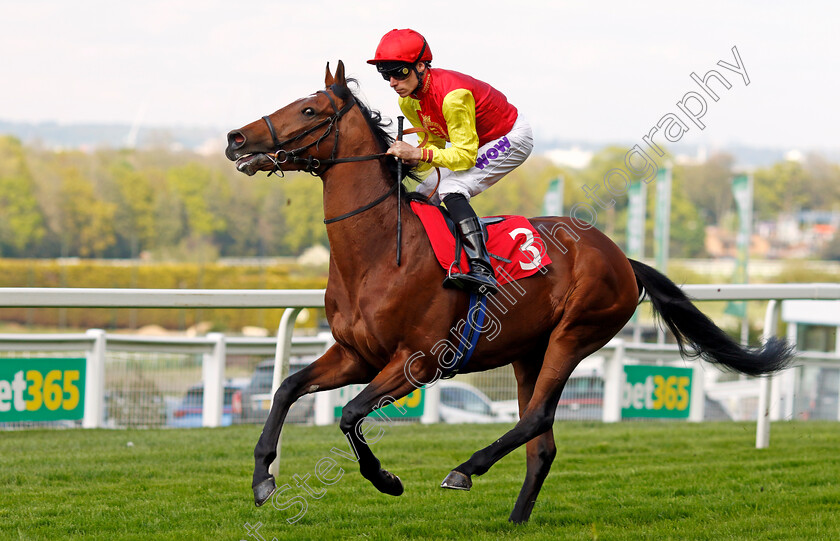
(422, 51)
(420, 77)
(414, 66)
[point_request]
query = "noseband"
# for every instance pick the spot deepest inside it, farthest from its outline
(311, 164)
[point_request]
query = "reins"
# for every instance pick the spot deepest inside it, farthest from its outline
(364, 208)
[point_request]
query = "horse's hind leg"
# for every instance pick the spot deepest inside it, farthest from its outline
(336, 368)
(540, 451)
(564, 352)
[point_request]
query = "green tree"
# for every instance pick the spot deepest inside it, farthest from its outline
(780, 188)
(86, 222)
(304, 212)
(170, 224)
(118, 202)
(823, 185)
(271, 222)
(254, 217)
(200, 198)
(688, 229)
(21, 218)
(134, 219)
(594, 175)
(709, 187)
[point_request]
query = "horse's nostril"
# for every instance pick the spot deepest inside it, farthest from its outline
(236, 139)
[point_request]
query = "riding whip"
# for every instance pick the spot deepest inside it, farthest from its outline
(399, 190)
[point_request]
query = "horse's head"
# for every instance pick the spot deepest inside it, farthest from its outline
(301, 136)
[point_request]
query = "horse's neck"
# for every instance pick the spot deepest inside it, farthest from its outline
(364, 244)
(365, 239)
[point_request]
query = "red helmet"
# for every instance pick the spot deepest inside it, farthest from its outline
(402, 46)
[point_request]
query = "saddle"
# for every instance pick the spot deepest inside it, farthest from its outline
(516, 249)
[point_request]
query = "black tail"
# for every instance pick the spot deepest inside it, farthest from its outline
(698, 336)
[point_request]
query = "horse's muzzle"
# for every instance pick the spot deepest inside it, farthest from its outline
(236, 140)
(251, 163)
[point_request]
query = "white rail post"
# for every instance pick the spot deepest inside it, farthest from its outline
(697, 410)
(762, 431)
(324, 414)
(838, 405)
(776, 402)
(95, 380)
(793, 374)
(324, 409)
(431, 404)
(281, 367)
(213, 370)
(613, 371)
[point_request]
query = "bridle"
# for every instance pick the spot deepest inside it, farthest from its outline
(317, 167)
(313, 165)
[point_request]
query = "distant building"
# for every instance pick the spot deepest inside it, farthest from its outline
(790, 236)
(721, 244)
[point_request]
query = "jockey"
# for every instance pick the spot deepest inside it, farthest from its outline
(487, 135)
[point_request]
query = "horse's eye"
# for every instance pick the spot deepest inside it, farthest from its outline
(309, 111)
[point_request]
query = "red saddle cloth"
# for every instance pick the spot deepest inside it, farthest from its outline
(512, 237)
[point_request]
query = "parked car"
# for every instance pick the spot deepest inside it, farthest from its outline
(463, 403)
(255, 398)
(190, 412)
(582, 399)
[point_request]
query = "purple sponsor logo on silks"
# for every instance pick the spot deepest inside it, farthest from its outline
(493, 152)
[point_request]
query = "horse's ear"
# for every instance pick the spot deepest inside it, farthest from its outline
(340, 80)
(328, 78)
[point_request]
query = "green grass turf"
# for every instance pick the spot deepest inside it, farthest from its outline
(621, 481)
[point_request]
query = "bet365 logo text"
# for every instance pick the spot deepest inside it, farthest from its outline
(42, 389)
(656, 391)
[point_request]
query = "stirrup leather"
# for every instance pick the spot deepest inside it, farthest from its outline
(480, 277)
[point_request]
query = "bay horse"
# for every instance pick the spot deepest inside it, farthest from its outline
(387, 318)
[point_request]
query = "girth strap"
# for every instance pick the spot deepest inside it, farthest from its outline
(473, 328)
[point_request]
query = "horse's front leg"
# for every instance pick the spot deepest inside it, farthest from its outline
(388, 386)
(336, 368)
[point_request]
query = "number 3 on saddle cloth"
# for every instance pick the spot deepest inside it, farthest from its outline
(516, 252)
(516, 247)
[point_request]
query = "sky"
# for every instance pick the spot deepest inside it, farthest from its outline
(581, 70)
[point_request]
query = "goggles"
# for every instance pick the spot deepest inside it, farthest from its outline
(398, 71)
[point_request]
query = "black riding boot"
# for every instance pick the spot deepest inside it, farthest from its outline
(480, 277)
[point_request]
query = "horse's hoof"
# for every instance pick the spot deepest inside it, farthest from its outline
(385, 482)
(457, 481)
(263, 491)
(392, 486)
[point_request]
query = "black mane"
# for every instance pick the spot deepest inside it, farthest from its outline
(377, 124)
